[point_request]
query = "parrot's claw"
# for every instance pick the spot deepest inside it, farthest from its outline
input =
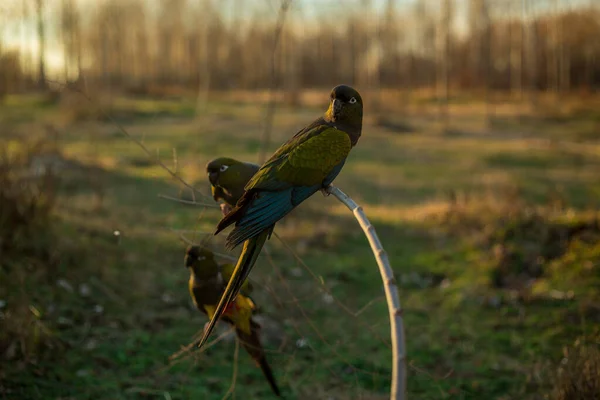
(225, 208)
(325, 191)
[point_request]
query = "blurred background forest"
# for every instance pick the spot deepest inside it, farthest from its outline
(148, 47)
(479, 165)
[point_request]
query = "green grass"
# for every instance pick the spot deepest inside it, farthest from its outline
(465, 338)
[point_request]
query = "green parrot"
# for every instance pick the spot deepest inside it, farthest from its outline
(227, 179)
(305, 164)
(207, 283)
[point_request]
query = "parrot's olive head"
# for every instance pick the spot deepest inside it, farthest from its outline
(195, 255)
(218, 166)
(345, 103)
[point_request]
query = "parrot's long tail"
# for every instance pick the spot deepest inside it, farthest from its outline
(251, 343)
(250, 252)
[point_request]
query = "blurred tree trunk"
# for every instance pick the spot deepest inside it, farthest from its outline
(204, 61)
(104, 52)
(371, 56)
(564, 60)
(42, 44)
(516, 58)
(443, 63)
(26, 58)
(65, 26)
(538, 45)
(531, 52)
(71, 35)
(141, 49)
(292, 62)
(275, 77)
(351, 35)
(589, 67)
(424, 75)
(553, 61)
(488, 55)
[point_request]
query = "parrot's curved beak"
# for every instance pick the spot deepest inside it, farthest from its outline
(213, 177)
(336, 106)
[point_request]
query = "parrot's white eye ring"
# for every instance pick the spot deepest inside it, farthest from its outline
(200, 258)
(352, 100)
(223, 168)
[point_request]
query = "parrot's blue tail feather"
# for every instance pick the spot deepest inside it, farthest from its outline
(265, 210)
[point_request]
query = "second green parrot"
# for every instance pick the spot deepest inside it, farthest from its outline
(227, 178)
(207, 283)
(305, 164)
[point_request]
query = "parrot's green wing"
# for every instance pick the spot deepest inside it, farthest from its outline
(305, 160)
(227, 272)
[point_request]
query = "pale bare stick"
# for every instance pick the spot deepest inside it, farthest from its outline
(398, 390)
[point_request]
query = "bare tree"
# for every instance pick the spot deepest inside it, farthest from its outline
(71, 39)
(443, 63)
(42, 44)
(203, 60)
(210, 45)
(276, 80)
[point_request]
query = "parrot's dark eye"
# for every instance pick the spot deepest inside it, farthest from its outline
(352, 100)
(223, 168)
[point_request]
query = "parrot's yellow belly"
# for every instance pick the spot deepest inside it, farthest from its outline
(239, 312)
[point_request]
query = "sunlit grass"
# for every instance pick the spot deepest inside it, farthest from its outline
(465, 338)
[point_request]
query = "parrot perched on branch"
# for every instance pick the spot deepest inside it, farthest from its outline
(305, 164)
(207, 283)
(228, 177)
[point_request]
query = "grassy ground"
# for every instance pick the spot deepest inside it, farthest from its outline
(489, 226)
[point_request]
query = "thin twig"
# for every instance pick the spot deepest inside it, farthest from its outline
(108, 291)
(328, 290)
(189, 202)
(173, 357)
(369, 304)
(236, 354)
(195, 232)
(398, 390)
(295, 324)
(121, 129)
(310, 322)
(275, 83)
(191, 242)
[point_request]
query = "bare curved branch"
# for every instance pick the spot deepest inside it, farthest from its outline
(398, 390)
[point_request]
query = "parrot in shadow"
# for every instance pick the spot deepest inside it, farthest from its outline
(227, 178)
(207, 284)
